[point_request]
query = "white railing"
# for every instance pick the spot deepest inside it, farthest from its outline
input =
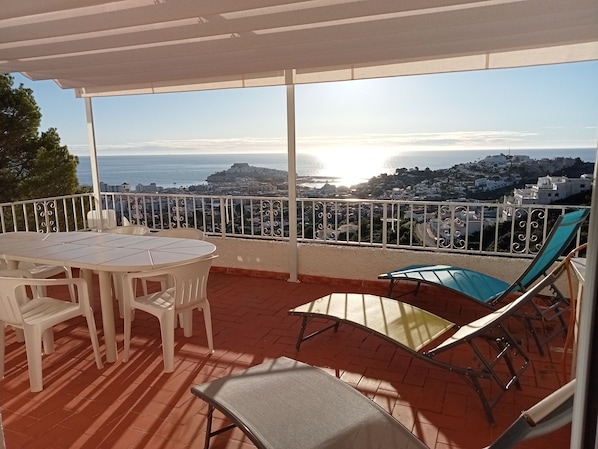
(63, 213)
(480, 228)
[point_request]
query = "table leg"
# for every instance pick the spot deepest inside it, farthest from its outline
(88, 276)
(108, 315)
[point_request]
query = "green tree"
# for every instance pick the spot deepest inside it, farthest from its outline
(32, 164)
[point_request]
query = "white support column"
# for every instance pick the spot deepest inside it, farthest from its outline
(93, 158)
(292, 177)
(585, 406)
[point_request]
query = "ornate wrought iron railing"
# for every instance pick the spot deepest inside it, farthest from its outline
(481, 228)
(62, 213)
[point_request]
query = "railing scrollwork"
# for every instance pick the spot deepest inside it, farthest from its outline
(479, 228)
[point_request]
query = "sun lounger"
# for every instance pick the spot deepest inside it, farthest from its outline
(288, 404)
(500, 358)
(491, 292)
(275, 404)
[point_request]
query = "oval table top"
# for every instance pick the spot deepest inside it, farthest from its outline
(102, 251)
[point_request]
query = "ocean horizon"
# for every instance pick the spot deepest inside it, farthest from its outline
(177, 170)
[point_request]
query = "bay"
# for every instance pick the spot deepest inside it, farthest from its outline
(177, 170)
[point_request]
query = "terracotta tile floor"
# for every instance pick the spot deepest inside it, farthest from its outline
(135, 405)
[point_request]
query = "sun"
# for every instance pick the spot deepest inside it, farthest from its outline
(351, 166)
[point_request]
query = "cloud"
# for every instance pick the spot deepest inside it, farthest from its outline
(458, 139)
(383, 141)
(204, 146)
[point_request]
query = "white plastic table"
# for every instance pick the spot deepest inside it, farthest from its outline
(104, 253)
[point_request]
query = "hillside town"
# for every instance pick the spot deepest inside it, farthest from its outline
(518, 179)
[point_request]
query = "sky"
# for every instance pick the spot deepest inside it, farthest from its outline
(535, 107)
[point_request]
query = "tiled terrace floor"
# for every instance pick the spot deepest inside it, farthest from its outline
(136, 405)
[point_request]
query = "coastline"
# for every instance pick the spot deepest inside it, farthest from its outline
(184, 170)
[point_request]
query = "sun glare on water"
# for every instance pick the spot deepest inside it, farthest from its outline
(352, 166)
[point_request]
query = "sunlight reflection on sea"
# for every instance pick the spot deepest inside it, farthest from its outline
(341, 167)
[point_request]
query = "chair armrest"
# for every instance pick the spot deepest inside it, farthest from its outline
(80, 284)
(128, 277)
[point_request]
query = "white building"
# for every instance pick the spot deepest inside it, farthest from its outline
(504, 159)
(122, 188)
(151, 188)
(496, 159)
(491, 184)
(549, 189)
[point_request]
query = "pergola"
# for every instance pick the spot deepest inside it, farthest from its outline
(101, 48)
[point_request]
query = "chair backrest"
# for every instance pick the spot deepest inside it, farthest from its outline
(190, 282)
(560, 237)
(130, 230)
(108, 220)
(484, 324)
(182, 233)
(12, 295)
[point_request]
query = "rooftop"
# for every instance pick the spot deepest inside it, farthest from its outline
(136, 405)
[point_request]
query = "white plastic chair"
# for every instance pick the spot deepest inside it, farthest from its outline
(37, 315)
(181, 233)
(108, 219)
(38, 271)
(117, 277)
(188, 292)
(130, 230)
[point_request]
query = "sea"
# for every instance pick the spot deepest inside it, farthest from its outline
(176, 170)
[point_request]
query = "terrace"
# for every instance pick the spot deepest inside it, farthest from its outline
(135, 404)
(132, 47)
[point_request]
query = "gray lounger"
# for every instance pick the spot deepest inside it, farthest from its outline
(286, 404)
